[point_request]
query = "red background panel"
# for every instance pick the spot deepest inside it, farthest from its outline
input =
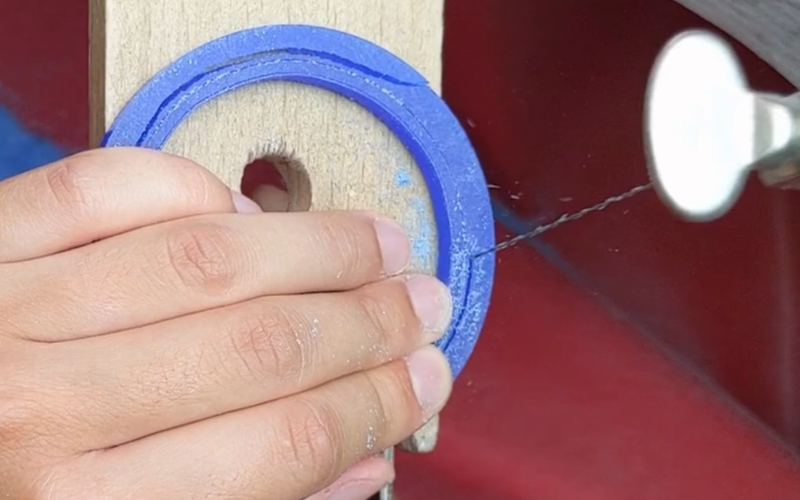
(552, 95)
(44, 65)
(564, 402)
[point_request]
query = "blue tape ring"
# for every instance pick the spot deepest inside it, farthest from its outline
(379, 81)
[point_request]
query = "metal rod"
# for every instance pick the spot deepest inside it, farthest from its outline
(387, 492)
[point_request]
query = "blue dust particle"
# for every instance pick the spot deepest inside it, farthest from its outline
(402, 179)
(422, 244)
(421, 248)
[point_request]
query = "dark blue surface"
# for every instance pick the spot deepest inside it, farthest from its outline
(393, 91)
(21, 150)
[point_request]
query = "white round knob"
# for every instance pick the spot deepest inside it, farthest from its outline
(700, 126)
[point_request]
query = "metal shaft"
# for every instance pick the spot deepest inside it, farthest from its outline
(387, 492)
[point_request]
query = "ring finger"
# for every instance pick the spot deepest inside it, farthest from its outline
(192, 368)
(283, 450)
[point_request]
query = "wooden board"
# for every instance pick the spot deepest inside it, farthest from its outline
(350, 158)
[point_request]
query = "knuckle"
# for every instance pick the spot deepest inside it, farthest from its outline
(18, 420)
(34, 430)
(347, 243)
(67, 480)
(393, 403)
(388, 314)
(266, 344)
(17, 414)
(204, 257)
(27, 428)
(378, 409)
(194, 181)
(66, 180)
(314, 437)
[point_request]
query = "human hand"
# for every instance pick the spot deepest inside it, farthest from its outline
(157, 345)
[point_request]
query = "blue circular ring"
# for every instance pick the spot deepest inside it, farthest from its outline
(379, 81)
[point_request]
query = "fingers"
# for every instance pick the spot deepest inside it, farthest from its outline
(284, 450)
(100, 193)
(271, 198)
(194, 264)
(193, 368)
(360, 481)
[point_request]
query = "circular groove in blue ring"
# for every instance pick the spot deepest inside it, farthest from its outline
(379, 81)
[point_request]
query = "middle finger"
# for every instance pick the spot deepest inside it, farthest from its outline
(194, 264)
(189, 369)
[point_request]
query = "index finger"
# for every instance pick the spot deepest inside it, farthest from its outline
(100, 193)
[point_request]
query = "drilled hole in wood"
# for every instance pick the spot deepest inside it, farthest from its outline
(277, 184)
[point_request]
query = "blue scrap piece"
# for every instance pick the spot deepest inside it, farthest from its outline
(382, 83)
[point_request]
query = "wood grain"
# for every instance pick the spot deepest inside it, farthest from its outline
(351, 159)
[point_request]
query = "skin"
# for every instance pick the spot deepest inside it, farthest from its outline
(162, 338)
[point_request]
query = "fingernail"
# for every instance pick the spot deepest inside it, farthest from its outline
(432, 304)
(243, 204)
(394, 244)
(431, 379)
